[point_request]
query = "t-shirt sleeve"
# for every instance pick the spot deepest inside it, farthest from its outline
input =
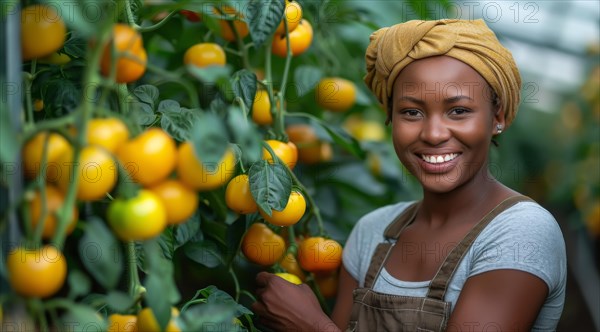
(526, 238)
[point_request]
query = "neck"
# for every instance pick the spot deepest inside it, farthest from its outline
(438, 209)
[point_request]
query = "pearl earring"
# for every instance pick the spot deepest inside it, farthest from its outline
(499, 128)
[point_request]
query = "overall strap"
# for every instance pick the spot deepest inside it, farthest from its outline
(440, 282)
(383, 250)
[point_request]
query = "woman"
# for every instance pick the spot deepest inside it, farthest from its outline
(472, 255)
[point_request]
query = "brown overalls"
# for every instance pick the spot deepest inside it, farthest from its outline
(373, 311)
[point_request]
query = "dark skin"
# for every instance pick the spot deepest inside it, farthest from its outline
(457, 123)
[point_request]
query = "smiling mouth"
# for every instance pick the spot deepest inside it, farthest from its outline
(438, 159)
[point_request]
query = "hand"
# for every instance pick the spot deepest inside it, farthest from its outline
(283, 306)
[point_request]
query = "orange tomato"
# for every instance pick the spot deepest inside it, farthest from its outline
(290, 264)
(54, 201)
(287, 152)
(195, 175)
(300, 40)
(131, 56)
(225, 28)
(204, 55)
(311, 149)
(179, 201)
(36, 272)
(146, 321)
(327, 283)
(150, 157)
(122, 323)
(261, 245)
(317, 254)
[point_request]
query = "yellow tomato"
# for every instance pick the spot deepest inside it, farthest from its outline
(336, 94)
(261, 108)
(289, 277)
(291, 214)
(38, 105)
(96, 171)
(180, 201)
(150, 157)
(197, 176)
(32, 155)
(146, 321)
(122, 323)
(42, 31)
(109, 133)
(54, 201)
(311, 149)
(290, 264)
(238, 196)
(365, 130)
(137, 218)
(292, 14)
(36, 272)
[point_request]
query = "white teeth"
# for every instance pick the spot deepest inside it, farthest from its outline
(433, 159)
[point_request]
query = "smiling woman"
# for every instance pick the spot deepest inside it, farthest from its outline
(472, 253)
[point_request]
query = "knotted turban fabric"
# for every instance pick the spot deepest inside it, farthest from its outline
(470, 41)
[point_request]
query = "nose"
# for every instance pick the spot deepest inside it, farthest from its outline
(434, 130)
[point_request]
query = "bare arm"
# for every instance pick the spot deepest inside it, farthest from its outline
(343, 303)
(499, 300)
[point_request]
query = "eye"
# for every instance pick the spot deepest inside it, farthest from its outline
(411, 113)
(459, 111)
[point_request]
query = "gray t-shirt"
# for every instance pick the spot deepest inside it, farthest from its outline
(524, 237)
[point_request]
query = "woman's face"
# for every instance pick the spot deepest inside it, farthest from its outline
(443, 120)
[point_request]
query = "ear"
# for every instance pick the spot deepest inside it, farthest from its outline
(499, 121)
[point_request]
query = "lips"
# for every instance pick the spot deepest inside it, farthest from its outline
(438, 163)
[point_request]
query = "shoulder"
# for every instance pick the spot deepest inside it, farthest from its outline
(524, 237)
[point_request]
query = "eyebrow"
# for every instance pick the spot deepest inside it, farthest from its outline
(448, 100)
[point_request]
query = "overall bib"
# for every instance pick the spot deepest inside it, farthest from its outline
(373, 311)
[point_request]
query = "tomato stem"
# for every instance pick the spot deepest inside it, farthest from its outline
(313, 284)
(158, 24)
(135, 289)
(91, 81)
(235, 282)
(172, 77)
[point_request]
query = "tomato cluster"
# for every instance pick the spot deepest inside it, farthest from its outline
(144, 168)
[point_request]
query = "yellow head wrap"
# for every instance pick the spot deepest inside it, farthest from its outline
(470, 41)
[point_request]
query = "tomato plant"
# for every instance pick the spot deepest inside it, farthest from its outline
(162, 141)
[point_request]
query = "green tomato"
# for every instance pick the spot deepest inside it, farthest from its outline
(139, 218)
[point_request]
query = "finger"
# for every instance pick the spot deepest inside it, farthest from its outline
(259, 308)
(262, 278)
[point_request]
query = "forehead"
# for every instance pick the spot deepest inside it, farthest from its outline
(440, 74)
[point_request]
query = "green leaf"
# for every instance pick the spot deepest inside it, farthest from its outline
(270, 184)
(159, 267)
(245, 135)
(142, 113)
(79, 284)
(342, 138)
(147, 94)
(218, 296)
(205, 252)
(81, 318)
(60, 96)
(210, 74)
(119, 301)
(263, 17)
(183, 233)
(100, 253)
(155, 299)
(243, 84)
(235, 232)
(210, 317)
(175, 120)
(75, 46)
(209, 139)
(166, 242)
(306, 78)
